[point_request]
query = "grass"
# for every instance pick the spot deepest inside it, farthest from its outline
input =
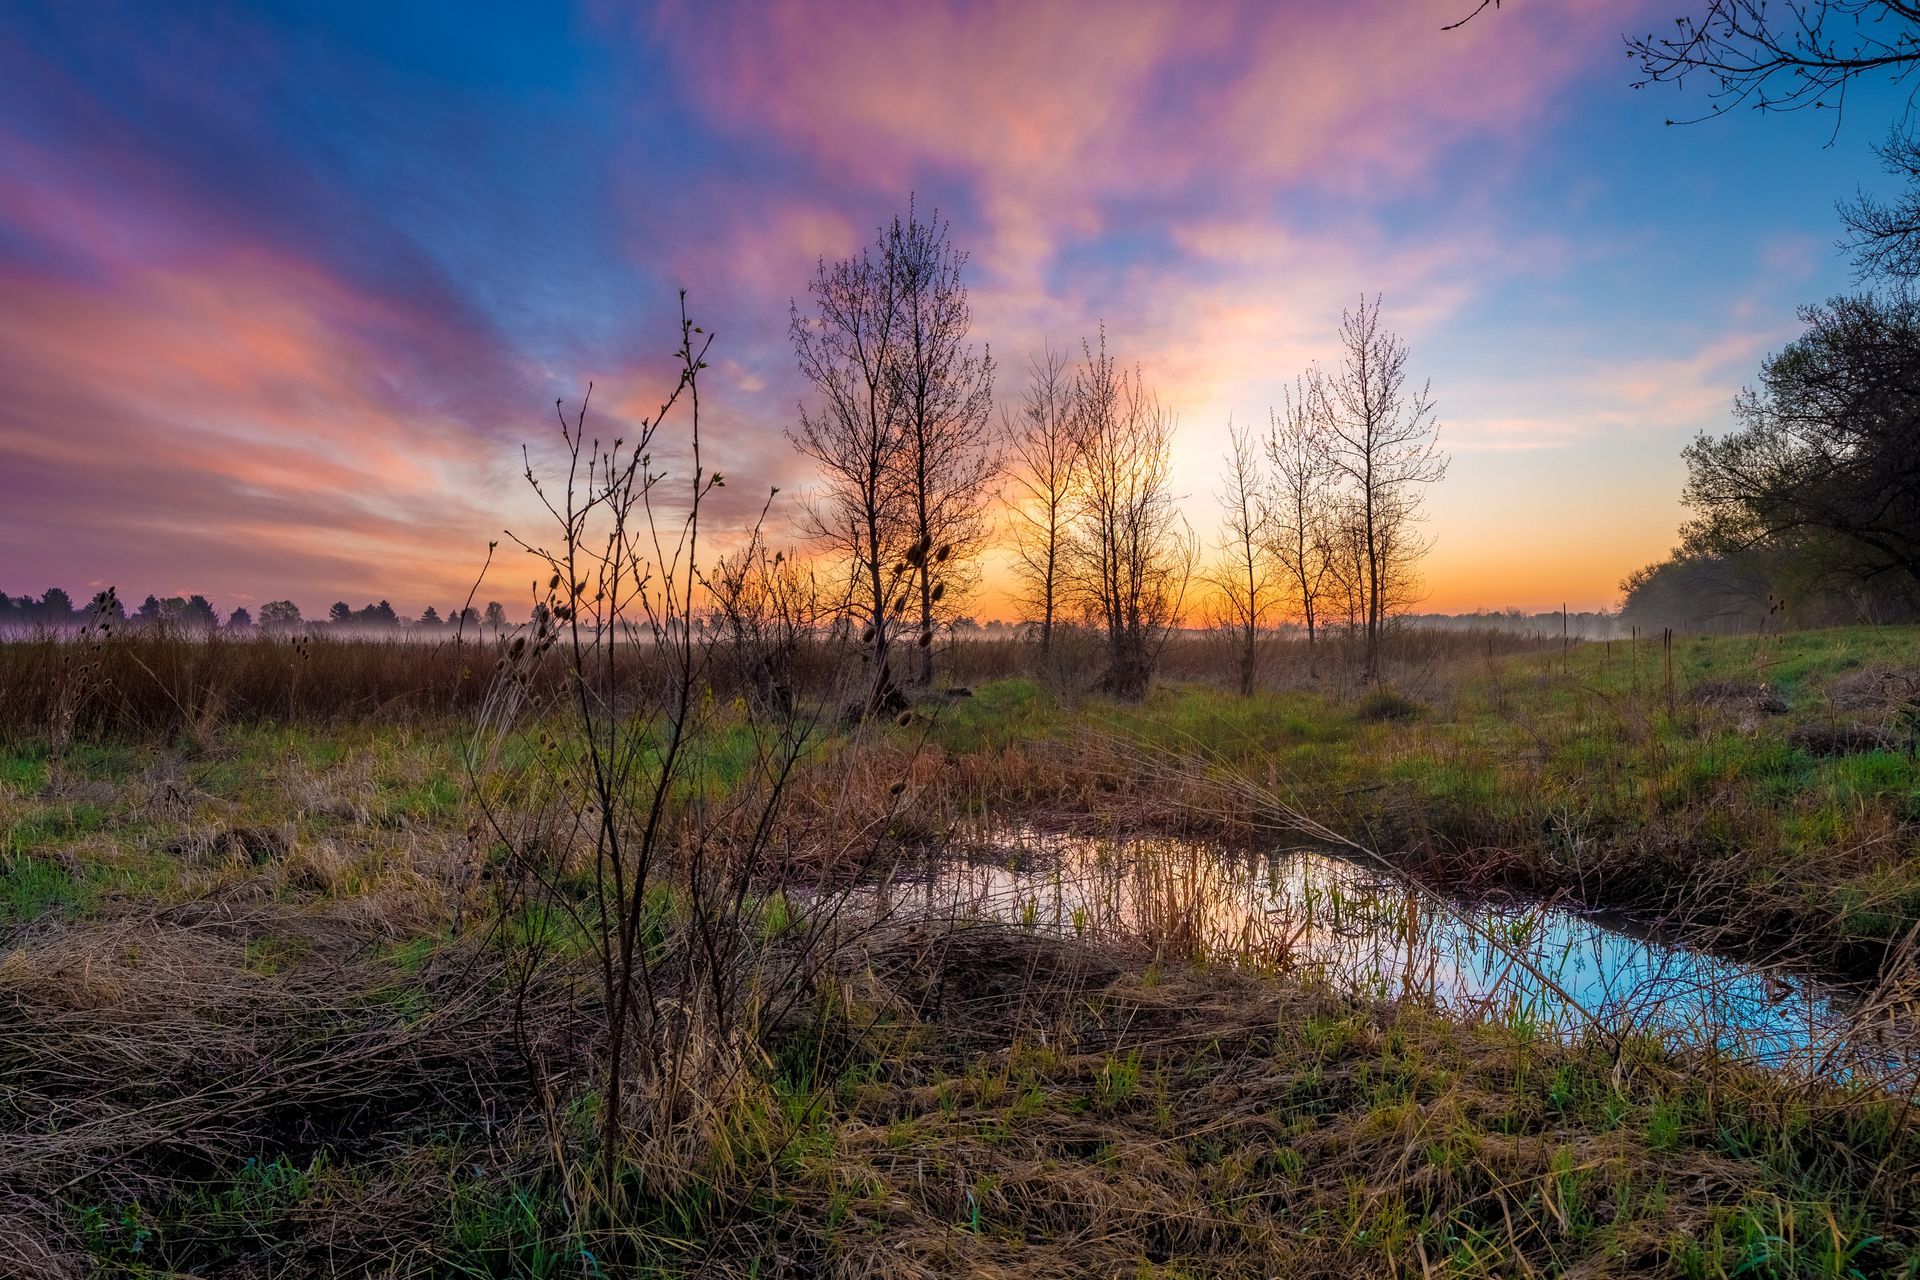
(1533, 771)
(250, 994)
(1208, 1123)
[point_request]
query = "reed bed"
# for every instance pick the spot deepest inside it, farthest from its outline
(157, 684)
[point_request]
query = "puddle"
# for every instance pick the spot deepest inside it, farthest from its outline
(1371, 933)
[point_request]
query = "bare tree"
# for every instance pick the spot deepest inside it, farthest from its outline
(1884, 235)
(1401, 545)
(1043, 448)
(1244, 576)
(1131, 553)
(1343, 550)
(605, 771)
(1385, 443)
(851, 349)
(1797, 55)
(1782, 55)
(1800, 55)
(1300, 496)
(946, 402)
(764, 606)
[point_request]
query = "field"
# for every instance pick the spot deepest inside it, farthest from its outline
(276, 1000)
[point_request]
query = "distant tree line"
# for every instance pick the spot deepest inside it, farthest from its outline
(56, 609)
(1578, 624)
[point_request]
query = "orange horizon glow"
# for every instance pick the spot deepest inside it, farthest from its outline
(280, 301)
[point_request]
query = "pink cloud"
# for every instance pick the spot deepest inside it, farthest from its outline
(247, 407)
(1051, 115)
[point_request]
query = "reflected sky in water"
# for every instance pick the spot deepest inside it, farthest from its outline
(1372, 933)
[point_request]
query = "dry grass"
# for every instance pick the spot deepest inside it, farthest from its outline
(253, 1018)
(1035, 1108)
(147, 1055)
(153, 685)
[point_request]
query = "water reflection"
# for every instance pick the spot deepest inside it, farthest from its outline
(1373, 934)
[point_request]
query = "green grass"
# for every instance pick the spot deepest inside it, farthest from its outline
(1171, 1121)
(31, 886)
(1573, 767)
(1320, 1137)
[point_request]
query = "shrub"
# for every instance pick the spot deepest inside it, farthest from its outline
(1384, 706)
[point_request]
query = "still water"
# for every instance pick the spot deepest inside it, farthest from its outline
(1372, 933)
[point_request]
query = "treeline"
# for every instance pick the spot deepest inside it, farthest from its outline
(56, 610)
(917, 472)
(1807, 513)
(914, 479)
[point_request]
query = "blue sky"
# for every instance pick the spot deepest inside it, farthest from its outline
(282, 288)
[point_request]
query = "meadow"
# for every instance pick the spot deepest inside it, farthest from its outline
(275, 998)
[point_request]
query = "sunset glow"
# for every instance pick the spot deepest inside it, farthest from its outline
(281, 293)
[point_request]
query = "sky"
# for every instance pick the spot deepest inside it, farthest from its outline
(285, 288)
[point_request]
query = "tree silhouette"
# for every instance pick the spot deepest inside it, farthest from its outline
(1384, 441)
(1823, 461)
(379, 615)
(1043, 449)
(850, 350)
(1131, 553)
(946, 403)
(196, 613)
(1301, 499)
(1244, 575)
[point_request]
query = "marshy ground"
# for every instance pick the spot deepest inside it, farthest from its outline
(257, 1017)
